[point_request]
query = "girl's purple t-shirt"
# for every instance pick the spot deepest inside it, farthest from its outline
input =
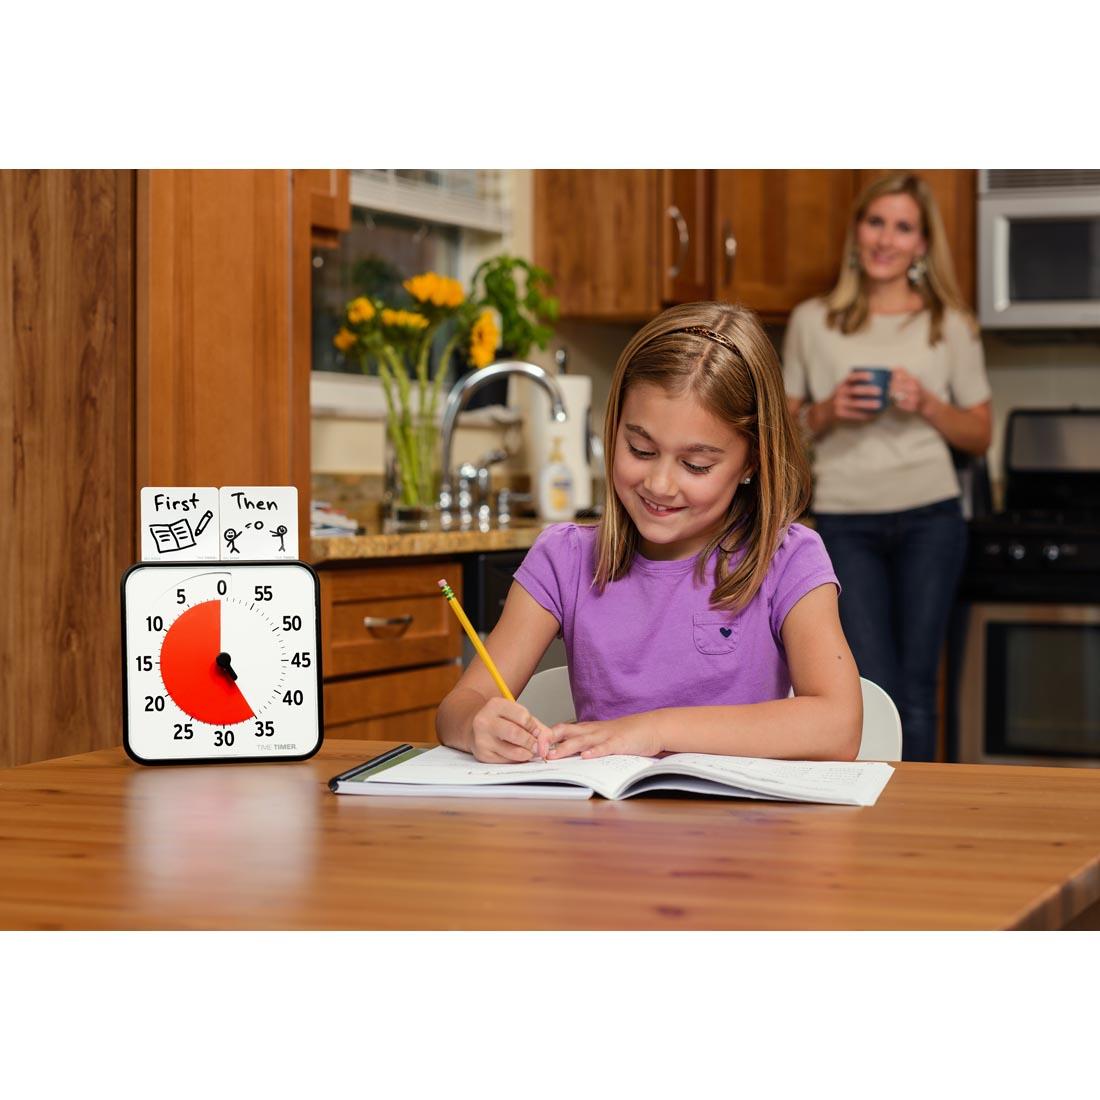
(651, 639)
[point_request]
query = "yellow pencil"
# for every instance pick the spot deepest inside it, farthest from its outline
(456, 607)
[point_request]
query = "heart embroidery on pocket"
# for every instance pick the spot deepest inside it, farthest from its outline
(725, 631)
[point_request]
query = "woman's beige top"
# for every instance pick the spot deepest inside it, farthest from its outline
(898, 460)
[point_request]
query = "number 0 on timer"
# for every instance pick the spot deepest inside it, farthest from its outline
(221, 662)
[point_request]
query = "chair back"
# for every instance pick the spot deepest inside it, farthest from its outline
(548, 695)
(881, 739)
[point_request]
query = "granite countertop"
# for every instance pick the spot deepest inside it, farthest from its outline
(520, 534)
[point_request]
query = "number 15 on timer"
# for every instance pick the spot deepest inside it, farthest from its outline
(221, 662)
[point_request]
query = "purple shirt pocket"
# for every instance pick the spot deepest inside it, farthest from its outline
(716, 632)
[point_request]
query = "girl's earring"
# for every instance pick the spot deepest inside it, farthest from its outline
(917, 271)
(746, 480)
(853, 260)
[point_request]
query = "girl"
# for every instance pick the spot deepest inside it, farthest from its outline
(886, 498)
(697, 602)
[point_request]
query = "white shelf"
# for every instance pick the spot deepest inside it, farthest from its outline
(407, 198)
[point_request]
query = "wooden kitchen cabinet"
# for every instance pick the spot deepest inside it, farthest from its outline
(686, 240)
(622, 245)
(780, 235)
(596, 232)
(391, 648)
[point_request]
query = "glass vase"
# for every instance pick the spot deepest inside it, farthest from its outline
(412, 471)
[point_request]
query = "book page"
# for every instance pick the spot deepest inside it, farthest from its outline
(856, 783)
(606, 775)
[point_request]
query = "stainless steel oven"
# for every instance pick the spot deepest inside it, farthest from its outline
(1029, 684)
(1024, 650)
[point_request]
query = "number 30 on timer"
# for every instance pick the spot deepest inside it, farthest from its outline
(221, 662)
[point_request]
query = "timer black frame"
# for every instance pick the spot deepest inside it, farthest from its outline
(223, 566)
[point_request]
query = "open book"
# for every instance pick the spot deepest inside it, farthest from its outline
(445, 771)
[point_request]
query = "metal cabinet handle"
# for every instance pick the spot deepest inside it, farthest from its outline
(685, 241)
(729, 248)
(371, 621)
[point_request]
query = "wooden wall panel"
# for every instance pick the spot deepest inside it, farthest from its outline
(214, 328)
(66, 456)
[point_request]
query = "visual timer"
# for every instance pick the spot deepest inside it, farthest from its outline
(222, 662)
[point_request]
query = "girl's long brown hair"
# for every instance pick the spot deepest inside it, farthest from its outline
(718, 354)
(846, 304)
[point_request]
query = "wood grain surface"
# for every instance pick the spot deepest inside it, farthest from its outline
(66, 455)
(213, 323)
(94, 841)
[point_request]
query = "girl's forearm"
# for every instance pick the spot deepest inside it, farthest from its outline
(454, 720)
(802, 728)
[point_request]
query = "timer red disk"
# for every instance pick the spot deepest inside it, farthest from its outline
(191, 674)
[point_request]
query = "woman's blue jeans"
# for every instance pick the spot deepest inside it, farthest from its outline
(898, 573)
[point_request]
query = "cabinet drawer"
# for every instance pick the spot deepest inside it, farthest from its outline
(390, 693)
(413, 725)
(355, 605)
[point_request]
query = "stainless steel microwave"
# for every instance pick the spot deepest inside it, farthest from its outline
(1039, 248)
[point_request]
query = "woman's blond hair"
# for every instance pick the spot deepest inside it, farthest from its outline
(718, 354)
(846, 305)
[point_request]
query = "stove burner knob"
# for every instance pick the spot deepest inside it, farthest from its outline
(1017, 551)
(1052, 551)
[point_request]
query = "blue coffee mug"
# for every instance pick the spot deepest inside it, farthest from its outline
(879, 377)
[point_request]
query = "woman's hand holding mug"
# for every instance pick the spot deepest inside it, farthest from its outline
(907, 394)
(861, 396)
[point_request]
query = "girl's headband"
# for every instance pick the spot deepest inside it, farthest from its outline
(709, 334)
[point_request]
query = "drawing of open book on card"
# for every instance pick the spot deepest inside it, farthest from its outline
(178, 535)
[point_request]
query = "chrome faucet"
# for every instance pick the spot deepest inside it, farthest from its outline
(462, 389)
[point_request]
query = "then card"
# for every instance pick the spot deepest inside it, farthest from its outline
(258, 522)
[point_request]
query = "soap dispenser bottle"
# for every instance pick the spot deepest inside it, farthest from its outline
(555, 491)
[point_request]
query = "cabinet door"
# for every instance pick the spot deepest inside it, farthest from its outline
(686, 239)
(595, 231)
(956, 195)
(780, 234)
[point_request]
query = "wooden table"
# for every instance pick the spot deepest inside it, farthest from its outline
(95, 841)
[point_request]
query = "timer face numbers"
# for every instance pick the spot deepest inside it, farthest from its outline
(221, 662)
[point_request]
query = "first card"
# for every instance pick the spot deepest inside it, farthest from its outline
(180, 524)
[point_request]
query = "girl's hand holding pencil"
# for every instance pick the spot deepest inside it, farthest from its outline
(503, 731)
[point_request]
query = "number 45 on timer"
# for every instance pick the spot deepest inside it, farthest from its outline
(221, 662)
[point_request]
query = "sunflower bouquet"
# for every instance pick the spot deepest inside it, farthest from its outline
(398, 343)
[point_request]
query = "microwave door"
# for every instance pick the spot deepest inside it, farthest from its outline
(1040, 261)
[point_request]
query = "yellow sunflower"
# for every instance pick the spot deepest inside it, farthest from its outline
(484, 340)
(360, 310)
(344, 339)
(435, 289)
(403, 318)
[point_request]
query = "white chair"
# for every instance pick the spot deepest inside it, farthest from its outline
(881, 737)
(549, 696)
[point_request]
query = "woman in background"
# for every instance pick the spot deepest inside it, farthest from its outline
(886, 497)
